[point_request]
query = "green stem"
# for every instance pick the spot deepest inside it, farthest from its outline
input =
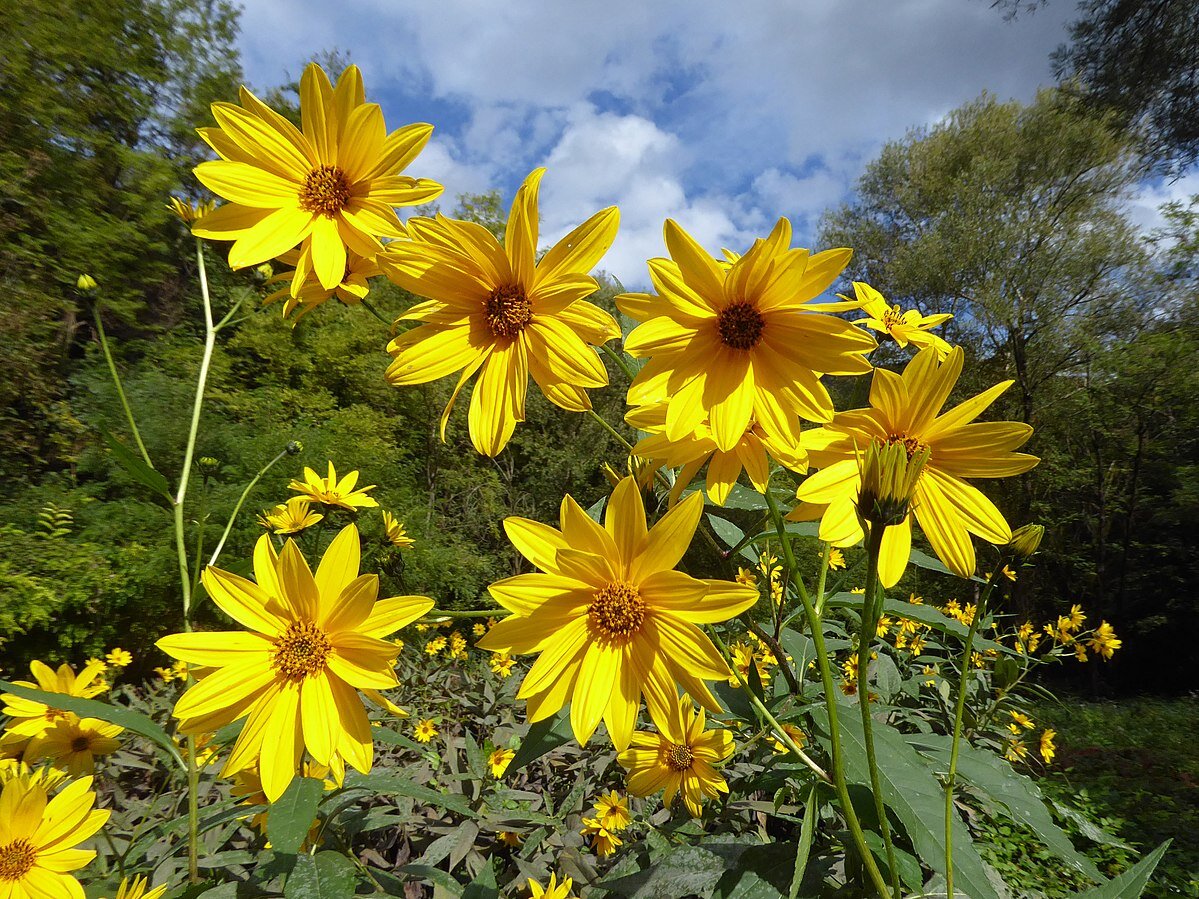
(619, 361)
(376, 313)
(611, 430)
(240, 502)
(820, 584)
(871, 604)
(958, 714)
(116, 380)
(837, 752)
(778, 651)
(464, 613)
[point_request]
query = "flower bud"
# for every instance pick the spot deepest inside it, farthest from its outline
(890, 472)
(86, 282)
(295, 448)
(1026, 540)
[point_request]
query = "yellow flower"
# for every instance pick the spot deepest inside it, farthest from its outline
(425, 730)
(746, 577)
(434, 646)
(396, 533)
(478, 628)
(1019, 718)
(1080, 652)
(1016, 751)
(457, 647)
(509, 838)
(690, 452)
(166, 674)
(1076, 617)
(73, 744)
(99, 664)
(1104, 640)
(502, 312)
(1048, 750)
(136, 889)
(553, 890)
(743, 658)
(501, 663)
(603, 840)
(325, 187)
(30, 717)
(85, 282)
(351, 289)
(610, 617)
(38, 836)
(916, 646)
(499, 760)
(15, 769)
(904, 327)
(798, 737)
(741, 341)
(119, 658)
(333, 492)
(290, 517)
(903, 409)
(883, 626)
(612, 811)
(189, 211)
(679, 758)
(312, 642)
(836, 558)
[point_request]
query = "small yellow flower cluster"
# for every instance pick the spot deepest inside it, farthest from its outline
(176, 672)
(501, 664)
(1066, 633)
(610, 815)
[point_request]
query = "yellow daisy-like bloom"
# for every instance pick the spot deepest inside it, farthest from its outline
(743, 659)
(397, 534)
(904, 410)
(836, 559)
(1016, 751)
(612, 811)
(99, 664)
(509, 838)
(553, 890)
(351, 289)
(501, 664)
(434, 646)
(73, 744)
(679, 759)
(38, 836)
(797, 736)
(326, 187)
(1104, 640)
(16, 769)
(1047, 749)
(312, 643)
(503, 313)
(1077, 616)
(1022, 720)
(603, 840)
(610, 617)
(499, 760)
(136, 889)
(291, 517)
(903, 327)
(425, 730)
(692, 451)
(119, 658)
(738, 342)
(30, 717)
(333, 492)
(189, 211)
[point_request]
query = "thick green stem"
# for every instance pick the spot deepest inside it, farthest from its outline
(116, 380)
(958, 714)
(820, 584)
(376, 313)
(871, 608)
(619, 360)
(240, 502)
(837, 752)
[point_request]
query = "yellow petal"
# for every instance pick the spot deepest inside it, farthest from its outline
(593, 688)
(299, 587)
(278, 232)
(242, 600)
(339, 565)
(248, 185)
(497, 402)
(389, 615)
(520, 235)
(664, 545)
(319, 717)
(283, 744)
(943, 528)
(624, 520)
(895, 551)
(580, 250)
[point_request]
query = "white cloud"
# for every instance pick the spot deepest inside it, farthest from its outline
(1144, 208)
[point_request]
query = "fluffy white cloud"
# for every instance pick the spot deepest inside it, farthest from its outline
(1145, 206)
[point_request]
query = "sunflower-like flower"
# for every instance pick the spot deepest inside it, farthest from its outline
(397, 534)
(325, 187)
(679, 759)
(72, 744)
(692, 451)
(351, 290)
(30, 717)
(611, 618)
(741, 341)
(503, 313)
(903, 327)
(552, 890)
(137, 889)
(291, 517)
(330, 491)
(499, 760)
(904, 410)
(603, 839)
(612, 811)
(38, 836)
(312, 642)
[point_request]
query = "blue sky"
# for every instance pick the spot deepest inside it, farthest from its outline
(723, 121)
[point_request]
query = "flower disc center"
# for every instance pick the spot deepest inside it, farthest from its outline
(679, 758)
(912, 445)
(300, 651)
(617, 611)
(325, 191)
(507, 311)
(892, 317)
(81, 744)
(740, 325)
(16, 859)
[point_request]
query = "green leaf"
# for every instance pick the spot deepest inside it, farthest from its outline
(484, 886)
(132, 721)
(1089, 828)
(398, 785)
(137, 468)
(731, 535)
(326, 875)
(915, 795)
(923, 560)
(1131, 883)
(1017, 794)
(292, 814)
(685, 871)
(436, 876)
(804, 850)
(544, 736)
(886, 676)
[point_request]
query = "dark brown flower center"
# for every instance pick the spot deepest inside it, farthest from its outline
(617, 611)
(892, 317)
(16, 859)
(912, 445)
(740, 325)
(81, 744)
(325, 191)
(507, 311)
(301, 650)
(679, 758)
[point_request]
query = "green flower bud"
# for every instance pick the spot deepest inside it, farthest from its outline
(1026, 540)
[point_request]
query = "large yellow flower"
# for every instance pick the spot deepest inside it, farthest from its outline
(73, 744)
(503, 313)
(332, 491)
(903, 409)
(741, 341)
(325, 187)
(38, 836)
(611, 618)
(30, 717)
(903, 327)
(312, 643)
(680, 758)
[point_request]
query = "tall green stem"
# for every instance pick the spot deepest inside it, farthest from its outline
(837, 752)
(871, 607)
(116, 380)
(240, 502)
(958, 713)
